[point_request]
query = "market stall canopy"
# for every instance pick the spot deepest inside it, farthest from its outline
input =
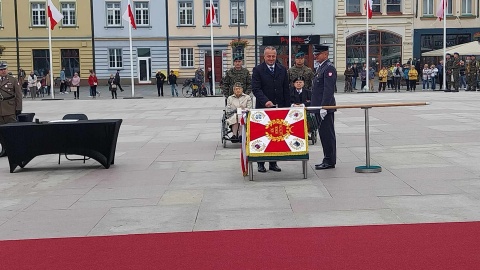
(463, 49)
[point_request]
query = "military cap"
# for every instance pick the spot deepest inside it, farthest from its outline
(238, 57)
(300, 78)
(299, 55)
(3, 65)
(319, 48)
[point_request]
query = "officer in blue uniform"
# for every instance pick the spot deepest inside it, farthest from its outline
(323, 89)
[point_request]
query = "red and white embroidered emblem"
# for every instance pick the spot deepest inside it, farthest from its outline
(330, 74)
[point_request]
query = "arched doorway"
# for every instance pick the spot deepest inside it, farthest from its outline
(385, 48)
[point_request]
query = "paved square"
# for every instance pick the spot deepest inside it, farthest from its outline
(172, 173)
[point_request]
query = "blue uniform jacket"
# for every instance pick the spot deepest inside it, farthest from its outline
(324, 84)
(267, 87)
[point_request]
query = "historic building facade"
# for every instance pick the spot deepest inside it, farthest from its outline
(112, 46)
(390, 32)
(71, 38)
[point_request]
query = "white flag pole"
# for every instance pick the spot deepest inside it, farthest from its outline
(289, 35)
(131, 55)
(367, 52)
(444, 3)
(212, 7)
(52, 92)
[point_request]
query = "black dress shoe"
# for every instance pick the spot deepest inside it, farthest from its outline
(324, 166)
(261, 168)
(274, 168)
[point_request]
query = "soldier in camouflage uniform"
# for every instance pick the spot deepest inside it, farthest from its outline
(448, 72)
(237, 74)
(456, 71)
(300, 70)
(471, 72)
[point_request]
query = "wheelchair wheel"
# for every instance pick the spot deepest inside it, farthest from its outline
(2, 151)
(187, 91)
(223, 134)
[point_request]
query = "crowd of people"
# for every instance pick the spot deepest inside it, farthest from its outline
(461, 75)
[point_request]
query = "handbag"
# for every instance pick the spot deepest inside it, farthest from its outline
(73, 88)
(114, 86)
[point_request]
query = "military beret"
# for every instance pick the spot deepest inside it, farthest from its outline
(3, 65)
(299, 55)
(238, 57)
(319, 48)
(238, 84)
(300, 78)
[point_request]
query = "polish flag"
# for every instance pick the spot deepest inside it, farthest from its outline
(53, 14)
(441, 9)
(211, 16)
(293, 11)
(368, 7)
(128, 16)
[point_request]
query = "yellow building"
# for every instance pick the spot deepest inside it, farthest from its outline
(71, 38)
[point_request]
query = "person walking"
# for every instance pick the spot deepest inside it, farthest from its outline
(382, 79)
(112, 86)
(172, 80)
(324, 84)
(160, 81)
(75, 88)
(118, 80)
(236, 74)
(412, 78)
(93, 82)
(10, 96)
(210, 80)
(32, 84)
(270, 85)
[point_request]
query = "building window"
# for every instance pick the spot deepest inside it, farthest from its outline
(38, 14)
(185, 13)
(141, 14)
(353, 6)
(217, 12)
(70, 61)
(41, 62)
(186, 57)
(449, 7)
(305, 11)
(69, 14)
(237, 11)
(466, 7)
(115, 58)
(376, 6)
(428, 7)
(277, 9)
(114, 17)
(394, 6)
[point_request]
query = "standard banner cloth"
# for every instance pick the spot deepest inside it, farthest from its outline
(277, 133)
(96, 139)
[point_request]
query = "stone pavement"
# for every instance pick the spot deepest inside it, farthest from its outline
(172, 174)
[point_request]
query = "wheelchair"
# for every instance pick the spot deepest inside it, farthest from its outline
(312, 125)
(227, 132)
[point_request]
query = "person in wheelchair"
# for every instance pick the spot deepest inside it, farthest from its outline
(238, 100)
(299, 96)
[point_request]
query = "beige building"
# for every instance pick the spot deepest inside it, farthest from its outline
(189, 46)
(390, 32)
(71, 38)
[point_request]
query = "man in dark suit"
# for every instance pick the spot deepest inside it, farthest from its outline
(270, 86)
(324, 85)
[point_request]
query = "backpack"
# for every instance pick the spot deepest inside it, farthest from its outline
(397, 71)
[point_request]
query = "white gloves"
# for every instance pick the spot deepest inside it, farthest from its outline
(323, 112)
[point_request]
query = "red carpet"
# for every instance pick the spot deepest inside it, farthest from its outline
(413, 246)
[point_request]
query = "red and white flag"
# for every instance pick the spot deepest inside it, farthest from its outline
(53, 14)
(441, 9)
(368, 7)
(211, 16)
(128, 16)
(293, 12)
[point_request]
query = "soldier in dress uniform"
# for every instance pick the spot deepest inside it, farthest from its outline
(456, 72)
(448, 72)
(324, 85)
(237, 74)
(471, 72)
(300, 70)
(10, 96)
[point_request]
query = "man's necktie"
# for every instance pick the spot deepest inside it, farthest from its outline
(272, 70)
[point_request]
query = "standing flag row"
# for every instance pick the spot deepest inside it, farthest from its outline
(291, 18)
(128, 16)
(211, 19)
(54, 17)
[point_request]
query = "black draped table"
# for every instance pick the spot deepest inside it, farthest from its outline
(96, 139)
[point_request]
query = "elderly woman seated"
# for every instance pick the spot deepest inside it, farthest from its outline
(238, 100)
